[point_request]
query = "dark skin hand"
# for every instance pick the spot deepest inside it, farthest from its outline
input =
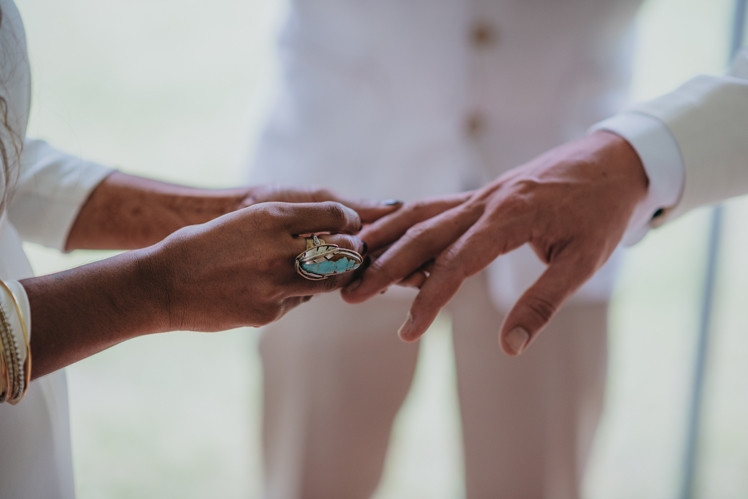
(203, 260)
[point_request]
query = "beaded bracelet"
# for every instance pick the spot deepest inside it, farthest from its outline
(11, 363)
(16, 381)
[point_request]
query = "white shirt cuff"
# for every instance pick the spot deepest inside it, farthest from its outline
(663, 165)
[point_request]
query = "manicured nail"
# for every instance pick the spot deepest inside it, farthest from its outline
(391, 202)
(517, 340)
(367, 262)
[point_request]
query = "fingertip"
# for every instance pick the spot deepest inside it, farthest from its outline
(348, 293)
(413, 328)
(391, 202)
(352, 222)
(515, 341)
(372, 211)
(406, 332)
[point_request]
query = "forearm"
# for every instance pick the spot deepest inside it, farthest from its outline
(236, 270)
(82, 311)
(127, 212)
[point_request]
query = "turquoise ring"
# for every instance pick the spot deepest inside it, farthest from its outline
(321, 260)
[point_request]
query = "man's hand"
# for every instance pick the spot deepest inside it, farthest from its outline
(572, 205)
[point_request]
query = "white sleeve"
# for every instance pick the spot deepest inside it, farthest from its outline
(51, 189)
(662, 163)
(703, 126)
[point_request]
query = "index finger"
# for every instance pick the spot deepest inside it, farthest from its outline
(393, 226)
(420, 244)
(472, 252)
(328, 216)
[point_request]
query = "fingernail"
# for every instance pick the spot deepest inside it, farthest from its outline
(404, 328)
(365, 265)
(391, 202)
(517, 340)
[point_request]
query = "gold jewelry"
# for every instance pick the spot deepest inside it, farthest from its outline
(23, 381)
(4, 374)
(11, 363)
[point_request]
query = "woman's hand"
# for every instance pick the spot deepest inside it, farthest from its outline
(236, 270)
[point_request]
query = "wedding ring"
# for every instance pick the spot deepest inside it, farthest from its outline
(321, 260)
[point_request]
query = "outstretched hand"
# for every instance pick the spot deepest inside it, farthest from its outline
(572, 205)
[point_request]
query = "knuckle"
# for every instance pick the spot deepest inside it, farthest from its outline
(381, 272)
(268, 313)
(542, 308)
(335, 212)
(266, 215)
(416, 232)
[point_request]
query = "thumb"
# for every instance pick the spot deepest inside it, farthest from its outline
(540, 302)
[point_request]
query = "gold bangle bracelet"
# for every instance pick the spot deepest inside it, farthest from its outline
(8, 357)
(25, 332)
(4, 382)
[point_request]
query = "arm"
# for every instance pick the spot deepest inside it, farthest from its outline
(127, 212)
(236, 270)
(69, 203)
(572, 205)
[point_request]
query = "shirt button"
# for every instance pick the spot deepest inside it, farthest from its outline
(475, 124)
(482, 35)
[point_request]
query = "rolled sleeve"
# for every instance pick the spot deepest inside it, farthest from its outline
(52, 188)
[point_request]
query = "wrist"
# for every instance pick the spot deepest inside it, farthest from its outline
(79, 312)
(621, 160)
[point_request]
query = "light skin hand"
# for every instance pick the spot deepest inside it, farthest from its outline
(571, 205)
(130, 212)
(368, 210)
(236, 270)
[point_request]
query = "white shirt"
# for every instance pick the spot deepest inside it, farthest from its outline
(35, 458)
(409, 99)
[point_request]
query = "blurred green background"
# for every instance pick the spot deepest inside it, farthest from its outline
(175, 90)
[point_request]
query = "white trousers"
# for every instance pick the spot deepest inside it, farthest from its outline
(335, 376)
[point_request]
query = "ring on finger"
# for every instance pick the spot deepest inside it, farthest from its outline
(321, 260)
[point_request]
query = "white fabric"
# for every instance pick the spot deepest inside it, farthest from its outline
(662, 163)
(35, 455)
(708, 119)
(398, 105)
(51, 188)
